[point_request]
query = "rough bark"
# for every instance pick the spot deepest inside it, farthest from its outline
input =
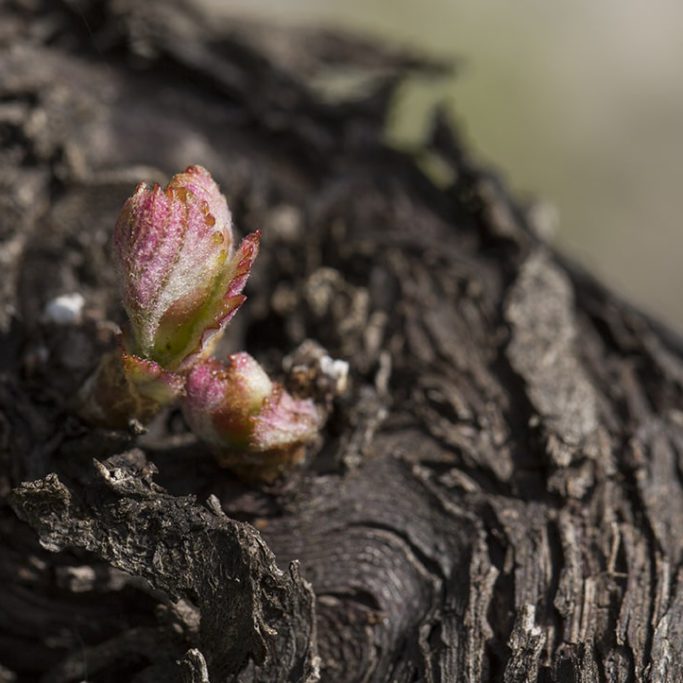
(497, 498)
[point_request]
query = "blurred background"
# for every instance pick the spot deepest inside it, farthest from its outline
(579, 103)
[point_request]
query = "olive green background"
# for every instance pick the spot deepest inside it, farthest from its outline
(578, 102)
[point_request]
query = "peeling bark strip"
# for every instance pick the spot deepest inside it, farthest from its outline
(247, 607)
(542, 350)
(498, 497)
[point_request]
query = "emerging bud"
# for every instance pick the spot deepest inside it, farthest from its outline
(181, 282)
(253, 424)
(125, 386)
(181, 279)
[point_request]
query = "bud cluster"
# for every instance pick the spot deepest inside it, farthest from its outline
(181, 280)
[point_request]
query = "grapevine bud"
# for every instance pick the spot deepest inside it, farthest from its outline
(125, 386)
(181, 279)
(252, 423)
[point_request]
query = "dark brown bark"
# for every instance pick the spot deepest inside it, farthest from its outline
(497, 498)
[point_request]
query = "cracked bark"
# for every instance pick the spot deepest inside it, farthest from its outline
(498, 496)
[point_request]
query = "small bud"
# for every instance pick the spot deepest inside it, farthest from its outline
(181, 279)
(249, 420)
(125, 386)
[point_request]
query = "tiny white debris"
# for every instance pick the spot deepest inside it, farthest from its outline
(338, 370)
(65, 309)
